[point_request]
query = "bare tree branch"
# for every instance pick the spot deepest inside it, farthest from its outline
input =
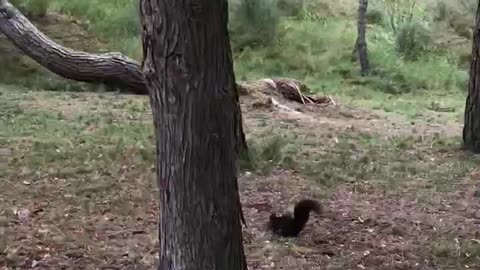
(111, 68)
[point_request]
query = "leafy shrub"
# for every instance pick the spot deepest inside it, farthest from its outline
(412, 40)
(374, 15)
(254, 23)
(39, 7)
(390, 82)
(32, 7)
(20, 4)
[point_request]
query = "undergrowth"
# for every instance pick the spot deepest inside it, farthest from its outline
(312, 40)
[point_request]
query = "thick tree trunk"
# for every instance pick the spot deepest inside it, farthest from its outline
(114, 69)
(189, 73)
(361, 43)
(471, 129)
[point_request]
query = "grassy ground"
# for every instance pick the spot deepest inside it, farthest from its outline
(399, 195)
(315, 46)
(76, 168)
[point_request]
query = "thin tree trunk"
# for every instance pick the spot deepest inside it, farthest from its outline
(189, 74)
(471, 129)
(361, 42)
(355, 51)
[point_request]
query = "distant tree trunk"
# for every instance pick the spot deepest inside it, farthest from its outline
(361, 42)
(471, 129)
(189, 75)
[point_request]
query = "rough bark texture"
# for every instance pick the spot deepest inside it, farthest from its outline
(361, 43)
(471, 129)
(189, 73)
(111, 68)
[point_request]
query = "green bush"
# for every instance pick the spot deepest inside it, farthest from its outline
(374, 15)
(20, 4)
(412, 40)
(393, 75)
(32, 7)
(254, 23)
(39, 7)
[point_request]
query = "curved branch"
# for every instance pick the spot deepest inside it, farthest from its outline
(110, 68)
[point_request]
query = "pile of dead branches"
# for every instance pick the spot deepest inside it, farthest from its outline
(274, 90)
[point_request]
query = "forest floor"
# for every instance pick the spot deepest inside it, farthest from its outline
(77, 188)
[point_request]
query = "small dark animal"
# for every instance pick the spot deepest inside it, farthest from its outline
(289, 225)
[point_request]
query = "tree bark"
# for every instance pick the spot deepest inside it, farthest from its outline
(361, 43)
(471, 129)
(189, 74)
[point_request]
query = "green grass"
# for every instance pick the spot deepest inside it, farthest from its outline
(68, 135)
(66, 143)
(86, 160)
(393, 165)
(92, 154)
(118, 20)
(316, 47)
